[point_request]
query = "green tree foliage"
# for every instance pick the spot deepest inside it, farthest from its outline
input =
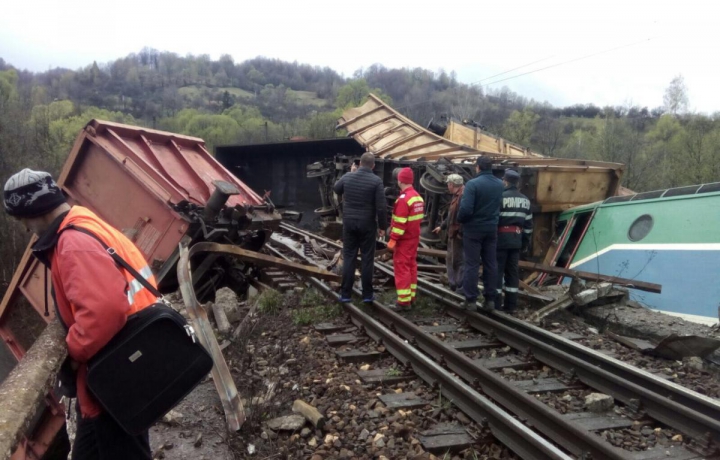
(356, 92)
(520, 126)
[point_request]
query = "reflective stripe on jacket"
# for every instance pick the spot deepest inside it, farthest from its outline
(137, 295)
(407, 215)
(93, 295)
(515, 215)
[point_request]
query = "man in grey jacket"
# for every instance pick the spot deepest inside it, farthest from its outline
(364, 218)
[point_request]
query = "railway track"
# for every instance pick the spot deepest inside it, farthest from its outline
(496, 349)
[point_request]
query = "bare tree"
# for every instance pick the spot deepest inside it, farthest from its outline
(675, 99)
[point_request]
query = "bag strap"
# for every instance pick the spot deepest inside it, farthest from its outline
(119, 260)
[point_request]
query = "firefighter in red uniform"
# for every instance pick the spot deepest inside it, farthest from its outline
(405, 238)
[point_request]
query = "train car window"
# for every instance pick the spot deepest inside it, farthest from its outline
(640, 228)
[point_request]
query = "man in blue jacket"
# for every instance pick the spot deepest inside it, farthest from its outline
(479, 214)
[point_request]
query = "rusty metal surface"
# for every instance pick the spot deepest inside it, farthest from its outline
(152, 186)
(229, 397)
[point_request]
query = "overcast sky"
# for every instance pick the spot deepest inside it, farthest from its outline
(649, 42)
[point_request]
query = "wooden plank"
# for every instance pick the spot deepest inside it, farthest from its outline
(477, 344)
(329, 328)
(401, 141)
(500, 363)
(595, 422)
(335, 340)
(383, 376)
(435, 154)
(402, 400)
(264, 260)
(641, 285)
(571, 335)
(384, 133)
(442, 328)
(560, 304)
(357, 356)
(534, 291)
(666, 453)
(445, 438)
(362, 115)
(414, 148)
(371, 125)
(545, 386)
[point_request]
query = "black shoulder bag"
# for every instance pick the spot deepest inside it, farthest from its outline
(150, 365)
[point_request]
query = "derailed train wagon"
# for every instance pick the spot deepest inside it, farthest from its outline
(160, 189)
(552, 184)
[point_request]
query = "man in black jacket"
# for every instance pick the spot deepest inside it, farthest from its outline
(364, 217)
(514, 231)
(479, 211)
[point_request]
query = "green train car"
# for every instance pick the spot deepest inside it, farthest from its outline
(670, 237)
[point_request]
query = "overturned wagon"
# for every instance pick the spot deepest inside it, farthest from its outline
(161, 190)
(552, 184)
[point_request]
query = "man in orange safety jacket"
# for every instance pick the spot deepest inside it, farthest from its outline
(405, 238)
(93, 298)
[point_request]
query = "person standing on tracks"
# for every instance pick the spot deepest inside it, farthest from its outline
(364, 217)
(478, 214)
(407, 215)
(93, 298)
(514, 230)
(454, 257)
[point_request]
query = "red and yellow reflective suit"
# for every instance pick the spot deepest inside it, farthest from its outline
(405, 231)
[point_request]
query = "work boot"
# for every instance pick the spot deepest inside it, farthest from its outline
(489, 305)
(469, 305)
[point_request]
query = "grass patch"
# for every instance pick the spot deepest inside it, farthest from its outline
(312, 298)
(270, 302)
(196, 90)
(308, 98)
(393, 372)
(312, 315)
(387, 297)
(424, 306)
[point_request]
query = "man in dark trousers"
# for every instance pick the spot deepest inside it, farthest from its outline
(93, 298)
(364, 218)
(479, 212)
(514, 230)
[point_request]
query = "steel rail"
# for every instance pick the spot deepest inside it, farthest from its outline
(224, 384)
(507, 429)
(628, 384)
(678, 407)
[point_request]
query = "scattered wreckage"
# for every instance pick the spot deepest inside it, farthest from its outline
(583, 218)
(166, 193)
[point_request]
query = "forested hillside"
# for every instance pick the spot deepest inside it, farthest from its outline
(264, 100)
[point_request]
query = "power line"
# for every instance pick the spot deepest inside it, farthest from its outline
(476, 82)
(627, 45)
(571, 60)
